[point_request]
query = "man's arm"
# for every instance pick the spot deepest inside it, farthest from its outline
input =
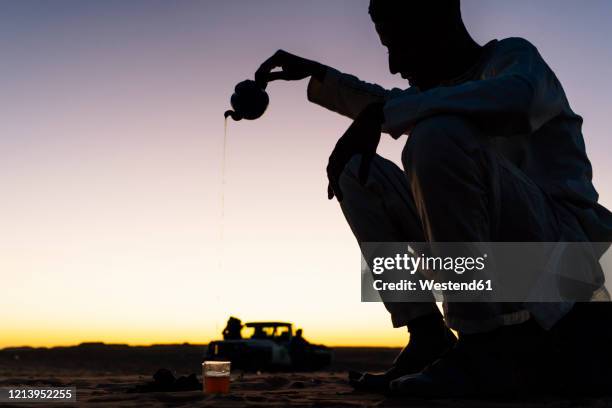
(348, 95)
(328, 87)
(517, 96)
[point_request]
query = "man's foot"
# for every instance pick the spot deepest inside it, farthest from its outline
(429, 339)
(509, 360)
(582, 357)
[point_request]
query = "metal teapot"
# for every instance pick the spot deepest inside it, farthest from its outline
(249, 101)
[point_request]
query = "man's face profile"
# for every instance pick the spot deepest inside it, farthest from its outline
(414, 34)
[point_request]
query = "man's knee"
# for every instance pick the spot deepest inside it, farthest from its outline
(435, 142)
(352, 189)
(380, 172)
(349, 178)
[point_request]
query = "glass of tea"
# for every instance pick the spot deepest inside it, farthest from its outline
(216, 376)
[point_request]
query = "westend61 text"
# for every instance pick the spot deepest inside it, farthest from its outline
(429, 285)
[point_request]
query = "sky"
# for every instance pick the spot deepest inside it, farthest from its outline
(111, 135)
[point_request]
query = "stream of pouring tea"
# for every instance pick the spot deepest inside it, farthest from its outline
(222, 222)
(223, 177)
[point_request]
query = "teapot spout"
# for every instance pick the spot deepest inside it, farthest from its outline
(233, 115)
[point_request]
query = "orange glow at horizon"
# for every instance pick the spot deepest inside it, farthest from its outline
(143, 336)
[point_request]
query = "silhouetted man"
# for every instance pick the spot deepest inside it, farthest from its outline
(232, 329)
(297, 350)
(494, 153)
(298, 340)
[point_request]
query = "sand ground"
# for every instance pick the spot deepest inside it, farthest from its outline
(104, 375)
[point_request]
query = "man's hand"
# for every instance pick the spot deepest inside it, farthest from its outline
(362, 137)
(292, 68)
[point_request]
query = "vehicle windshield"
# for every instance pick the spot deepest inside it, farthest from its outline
(279, 333)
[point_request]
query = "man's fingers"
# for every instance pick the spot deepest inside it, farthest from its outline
(333, 175)
(333, 190)
(273, 76)
(337, 191)
(275, 61)
(271, 63)
(330, 177)
(264, 69)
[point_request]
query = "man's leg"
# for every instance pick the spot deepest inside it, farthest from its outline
(465, 192)
(382, 210)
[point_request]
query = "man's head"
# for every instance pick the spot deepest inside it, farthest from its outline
(419, 36)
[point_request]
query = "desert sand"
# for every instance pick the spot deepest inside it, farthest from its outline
(105, 376)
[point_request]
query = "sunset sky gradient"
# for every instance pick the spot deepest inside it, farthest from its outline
(111, 133)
